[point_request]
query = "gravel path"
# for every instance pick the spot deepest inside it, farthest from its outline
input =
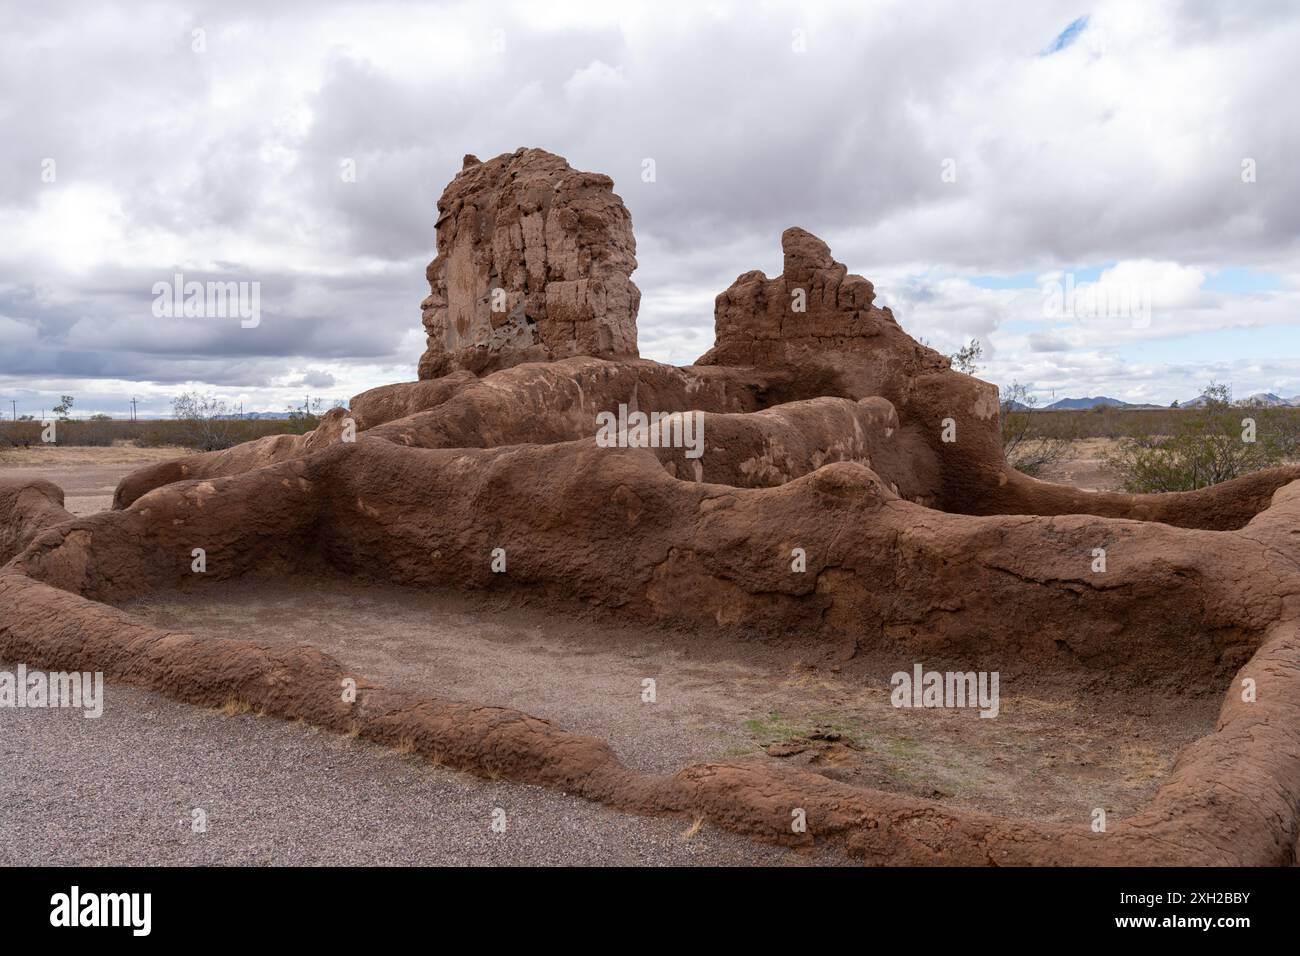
(121, 789)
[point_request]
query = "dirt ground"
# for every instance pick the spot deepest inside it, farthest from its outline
(1052, 753)
(1084, 466)
(87, 475)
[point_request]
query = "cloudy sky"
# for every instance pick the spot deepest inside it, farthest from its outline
(975, 166)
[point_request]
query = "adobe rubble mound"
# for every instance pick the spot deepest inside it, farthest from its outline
(815, 330)
(534, 264)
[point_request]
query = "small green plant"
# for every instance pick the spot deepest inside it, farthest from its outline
(777, 727)
(966, 359)
(64, 408)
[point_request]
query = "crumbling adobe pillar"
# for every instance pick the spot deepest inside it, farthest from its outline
(534, 264)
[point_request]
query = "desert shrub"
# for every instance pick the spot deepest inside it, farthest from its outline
(148, 433)
(306, 417)
(1282, 428)
(22, 432)
(1207, 444)
(1026, 446)
(966, 359)
(206, 421)
(96, 430)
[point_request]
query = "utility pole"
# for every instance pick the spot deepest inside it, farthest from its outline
(15, 405)
(133, 409)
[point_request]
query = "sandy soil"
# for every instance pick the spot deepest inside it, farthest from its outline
(1083, 466)
(88, 476)
(1053, 753)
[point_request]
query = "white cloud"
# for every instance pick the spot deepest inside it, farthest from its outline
(1120, 152)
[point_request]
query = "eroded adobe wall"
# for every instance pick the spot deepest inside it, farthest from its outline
(231, 461)
(27, 507)
(610, 527)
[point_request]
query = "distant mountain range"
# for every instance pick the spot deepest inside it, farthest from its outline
(1072, 404)
(1080, 404)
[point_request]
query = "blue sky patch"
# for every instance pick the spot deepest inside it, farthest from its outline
(1066, 36)
(1241, 280)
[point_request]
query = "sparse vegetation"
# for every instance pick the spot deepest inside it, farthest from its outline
(1212, 442)
(206, 420)
(1025, 445)
(235, 707)
(201, 422)
(966, 359)
(776, 727)
(309, 412)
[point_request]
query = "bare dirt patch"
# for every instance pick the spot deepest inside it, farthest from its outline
(87, 475)
(1055, 752)
(1084, 467)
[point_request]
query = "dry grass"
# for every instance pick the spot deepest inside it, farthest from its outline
(693, 830)
(234, 707)
(1034, 706)
(1140, 764)
(54, 456)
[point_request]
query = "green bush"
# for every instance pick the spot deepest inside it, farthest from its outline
(1207, 445)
